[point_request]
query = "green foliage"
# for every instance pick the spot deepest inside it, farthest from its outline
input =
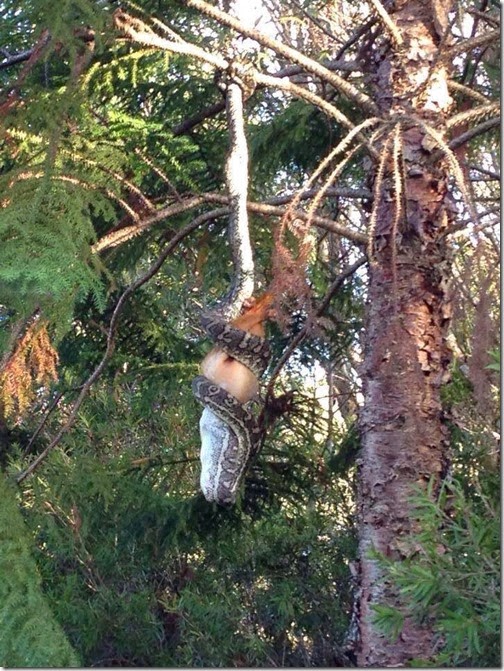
(453, 579)
(495, 364)
(46, 224)
(197, 585)
(136, 567)
(29, 634)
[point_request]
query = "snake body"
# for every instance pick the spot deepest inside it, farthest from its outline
(230, 434)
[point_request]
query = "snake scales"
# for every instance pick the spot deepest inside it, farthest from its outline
(230, 434)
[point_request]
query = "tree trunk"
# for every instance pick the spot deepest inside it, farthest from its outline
(404, 440)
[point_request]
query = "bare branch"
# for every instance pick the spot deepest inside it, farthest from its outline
(356, 35)
(458, 141)
(472, 43)
(492, 20)
(332, 192)
(387, 21)
(16, 58)
(320, 222)
(206, 113)
(292, 54)
(335, 64)
(490, 173)
(315, 21)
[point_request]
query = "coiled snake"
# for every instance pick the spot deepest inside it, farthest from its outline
(230, 433)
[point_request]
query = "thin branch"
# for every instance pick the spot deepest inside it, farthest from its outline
(115, 238)
(334, 64)
(475, 229)
(301, 335)
(321, 222)
(16, 58)
(315, 21)
(156, 266)
(467, 90)
(157, 170)
(387, 21)
(472, 43)
(458, 141)
(332, 192)
(206, 113)
(485, 171)
(288, 52)
(356, 35)
(43, 422)
(141, 33)
(336, 284)
(493, 20)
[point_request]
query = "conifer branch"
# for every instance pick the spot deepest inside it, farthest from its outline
(472, 43)
(461, 139)
(139, 32)
(122, 235)
(155, 267)
(288, 71)
(30, 636)
(306, 94)
(78, 182)
(467, 90)
(473, 114)
(288, 52)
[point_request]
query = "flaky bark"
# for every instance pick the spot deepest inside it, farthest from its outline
(403, 437)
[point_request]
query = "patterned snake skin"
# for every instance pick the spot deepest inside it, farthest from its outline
(230, 434)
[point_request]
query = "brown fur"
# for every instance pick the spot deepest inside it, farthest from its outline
(228, 373)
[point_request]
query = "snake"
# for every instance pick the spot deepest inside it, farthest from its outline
(230, 432)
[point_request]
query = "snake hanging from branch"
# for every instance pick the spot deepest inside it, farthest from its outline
(230, 433)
